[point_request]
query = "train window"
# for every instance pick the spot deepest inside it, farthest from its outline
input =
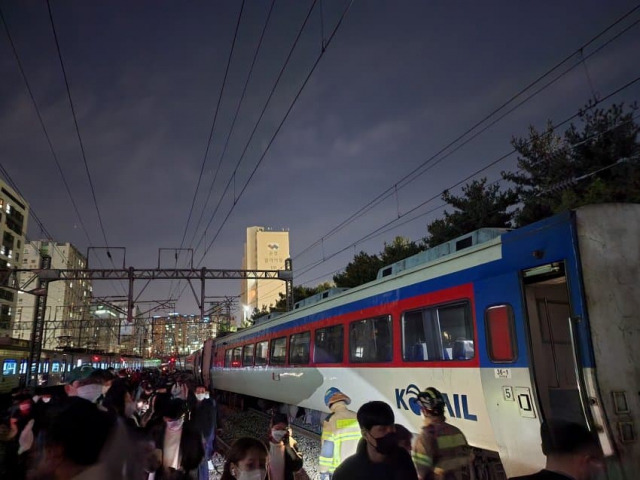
(442, 332)
(299, 348)
(262, 348)
(247, 355)
(9, 367)
(55, 367)
(237, 357)
(501, 336)
(278, 353)
(23, 367)
(328, 345)
(227, 357)
(370, 340)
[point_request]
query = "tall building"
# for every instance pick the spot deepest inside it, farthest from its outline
(110, 331)
(14, 212)
(265, 249)
(68, 301)
(179, 335)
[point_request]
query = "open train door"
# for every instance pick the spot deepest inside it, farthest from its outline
(554, 350)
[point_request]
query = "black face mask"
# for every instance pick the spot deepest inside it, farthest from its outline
(386, 444)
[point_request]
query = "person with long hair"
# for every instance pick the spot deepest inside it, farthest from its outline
(246, 460)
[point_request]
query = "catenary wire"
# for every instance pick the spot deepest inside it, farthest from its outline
(273, 137)
(380, 197)
(327, 43)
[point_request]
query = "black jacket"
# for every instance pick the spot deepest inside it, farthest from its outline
(191, 449)
(397, 466)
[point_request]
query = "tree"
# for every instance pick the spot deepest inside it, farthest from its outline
(362, 269)
(593, 163)
(481, 205)
(300, 293)
(399, 249)
(259, 313)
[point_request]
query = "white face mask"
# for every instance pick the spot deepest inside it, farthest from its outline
(206, 395)
(46, 399)
(90, 392)
(278, 435)
(258, 474)
(200, 396)
(175, 424)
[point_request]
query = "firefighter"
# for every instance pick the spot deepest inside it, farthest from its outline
(340, 433)
(441, 451)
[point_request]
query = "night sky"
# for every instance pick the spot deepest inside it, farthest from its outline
(396, 84)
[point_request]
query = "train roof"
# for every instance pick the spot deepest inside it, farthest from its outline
(467, 240)
(461, 246)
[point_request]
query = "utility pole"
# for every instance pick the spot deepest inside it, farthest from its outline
(37, 330)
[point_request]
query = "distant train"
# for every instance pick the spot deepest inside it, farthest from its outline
(53, 364)
(513, 326)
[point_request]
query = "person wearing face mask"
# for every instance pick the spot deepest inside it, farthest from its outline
(378, 455)
(441, 451)
(178, 444)
(284, 457)
(573, 453)
(84, 382)
(246, 460)
(204, 420)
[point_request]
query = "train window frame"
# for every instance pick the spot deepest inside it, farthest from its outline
(228, 355)
(365, 323)
(277, 359)
(11, 361)
(510, 332)
(236, 357)
(244, 354)
(262, 345)
(327, 355)
(296, 341)
(427, 342)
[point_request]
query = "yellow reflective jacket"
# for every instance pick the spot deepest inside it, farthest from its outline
(340, 436)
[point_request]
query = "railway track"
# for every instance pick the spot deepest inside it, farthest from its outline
(256, 424)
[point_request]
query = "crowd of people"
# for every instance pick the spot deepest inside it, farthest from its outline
(107, 424)
(103, 424)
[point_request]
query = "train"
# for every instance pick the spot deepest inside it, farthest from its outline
(513, 326)
(54, 364)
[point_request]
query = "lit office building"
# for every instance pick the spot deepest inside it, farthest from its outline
(265, 249)
(14, 212)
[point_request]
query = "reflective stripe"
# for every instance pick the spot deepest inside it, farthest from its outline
(421, 460)
(451, 441)
(346, 423)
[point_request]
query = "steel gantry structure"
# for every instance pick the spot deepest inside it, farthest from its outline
(44, 275)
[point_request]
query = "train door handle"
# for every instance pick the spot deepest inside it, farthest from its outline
(525, 403)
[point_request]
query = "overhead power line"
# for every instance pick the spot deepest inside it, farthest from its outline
(235, 118)
(503, 157)
(428, 163)
(213, 123)
(44, 129)
(77, 128)
(274, 135)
